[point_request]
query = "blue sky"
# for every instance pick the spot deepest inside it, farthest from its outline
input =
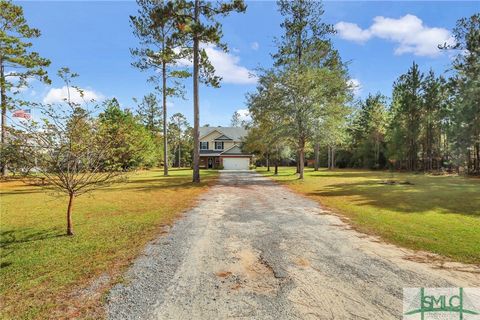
(380, 40)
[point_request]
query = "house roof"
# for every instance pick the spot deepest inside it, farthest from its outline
(223, 137)
(233, 150)
(209, 152)
(234, 133)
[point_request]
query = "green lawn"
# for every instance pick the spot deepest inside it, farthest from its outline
(43, 271)
(440, 214)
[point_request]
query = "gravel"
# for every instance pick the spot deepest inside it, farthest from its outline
(252, 249)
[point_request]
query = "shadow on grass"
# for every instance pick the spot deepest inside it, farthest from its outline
(152, 184)
(456, 198)
(14, 236)
(26, 191)
(10, 238)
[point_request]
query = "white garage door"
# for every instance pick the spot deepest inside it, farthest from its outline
(236, 163)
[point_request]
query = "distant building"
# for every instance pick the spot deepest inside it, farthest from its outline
(221, 147)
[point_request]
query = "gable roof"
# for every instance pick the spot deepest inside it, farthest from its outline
(223, 137)
(234, 133)
(233, 150)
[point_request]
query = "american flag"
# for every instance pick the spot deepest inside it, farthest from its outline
(25, 114)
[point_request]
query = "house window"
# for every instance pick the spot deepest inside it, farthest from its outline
(218, 145)
(203, 145)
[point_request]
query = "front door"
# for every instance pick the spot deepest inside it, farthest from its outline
(210, 163)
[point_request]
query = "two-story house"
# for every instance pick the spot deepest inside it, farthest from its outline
(221, 147)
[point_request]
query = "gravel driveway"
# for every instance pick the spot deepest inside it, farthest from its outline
(252, 249)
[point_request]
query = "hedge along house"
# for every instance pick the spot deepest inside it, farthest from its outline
(221, 147)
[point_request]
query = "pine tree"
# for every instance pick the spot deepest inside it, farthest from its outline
(433, 105)
(150, 114)
(236, 120)
(178, 133)
(197, 23)
(465, 91)
(407, 113)
(161, 47)
(368, 132)
(17, 62)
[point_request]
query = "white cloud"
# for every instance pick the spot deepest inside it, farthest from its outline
(255, 45)
(226, 66)
(244, 114)
(355, 85)
(408, 32)
(57, 95)
(351, 31)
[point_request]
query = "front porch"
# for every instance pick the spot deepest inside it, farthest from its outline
(210, 162)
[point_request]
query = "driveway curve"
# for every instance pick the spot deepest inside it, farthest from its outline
(252, 249)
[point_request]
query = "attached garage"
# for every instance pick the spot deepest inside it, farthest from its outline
(236, 163)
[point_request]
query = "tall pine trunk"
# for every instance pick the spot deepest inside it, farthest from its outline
(268, 161)
(69, 215)
(179, 155)
(329, 160)
(276, 166)
(333, 157)
(164, 98)
(477, 161)
(298, 162)
(301, 157)
(317, 156)
(196, 111)
(4, 114)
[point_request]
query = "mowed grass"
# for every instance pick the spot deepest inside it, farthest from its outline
(43, 272)
(440, 214)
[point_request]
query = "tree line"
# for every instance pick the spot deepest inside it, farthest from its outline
(304, 108)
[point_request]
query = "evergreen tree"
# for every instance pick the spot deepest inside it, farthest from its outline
(132, 144)
(150, 114)
(236, 120)
(161, 46)
(434, 100)
(406, 118)
(179, 136)
(368, 132)
(197, 22)
(465, 91)
(17, 62)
